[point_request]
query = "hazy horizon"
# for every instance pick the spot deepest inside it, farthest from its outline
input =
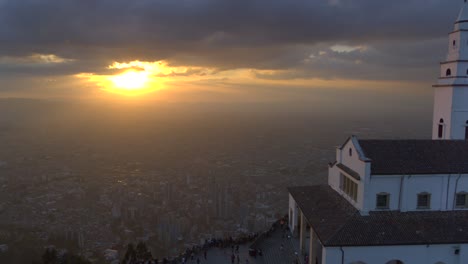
(174, 122)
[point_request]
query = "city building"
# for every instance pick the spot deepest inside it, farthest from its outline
(396, 201)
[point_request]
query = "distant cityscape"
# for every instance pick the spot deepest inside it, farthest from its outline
(79, 189)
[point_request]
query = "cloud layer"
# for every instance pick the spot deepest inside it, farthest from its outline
(399, 39)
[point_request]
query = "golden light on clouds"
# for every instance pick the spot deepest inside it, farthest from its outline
(141, 78)
(36, 58)
(137, 78)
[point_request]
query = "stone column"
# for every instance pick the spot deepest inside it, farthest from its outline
(302, 234)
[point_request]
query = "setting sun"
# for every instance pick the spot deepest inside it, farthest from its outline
(130, 80)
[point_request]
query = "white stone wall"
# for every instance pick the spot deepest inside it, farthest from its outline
(459, 113)
(459, 49)
(353, 162)
(442, 188)
(451, 103)
(419, 254)
(442, 110)
(295, 214)
(403, 189)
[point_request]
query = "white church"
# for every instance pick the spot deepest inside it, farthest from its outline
(397, 201)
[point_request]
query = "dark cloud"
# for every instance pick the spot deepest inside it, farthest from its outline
(227, 34)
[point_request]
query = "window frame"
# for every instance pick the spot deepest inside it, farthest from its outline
(387, 201)
(423, 207)
(466, 200)
(349, 186)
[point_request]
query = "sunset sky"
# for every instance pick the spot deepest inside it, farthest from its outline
(221, 50)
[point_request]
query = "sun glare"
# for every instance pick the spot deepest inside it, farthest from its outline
(137, 78)
(130, 80)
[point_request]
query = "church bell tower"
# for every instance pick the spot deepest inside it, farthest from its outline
(450, 119)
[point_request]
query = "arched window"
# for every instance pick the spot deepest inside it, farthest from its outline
(350, 152)
(454, 42)
(448, 72)
(440, 132)
(466, 71)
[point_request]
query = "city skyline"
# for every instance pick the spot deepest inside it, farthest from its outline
(178, 126)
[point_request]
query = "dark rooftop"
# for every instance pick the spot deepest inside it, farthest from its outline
(338, 223)
(416, 156)
(349, 171)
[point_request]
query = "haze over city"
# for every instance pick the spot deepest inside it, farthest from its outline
(172, 122)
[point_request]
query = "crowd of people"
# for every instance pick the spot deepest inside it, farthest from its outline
(199, 254)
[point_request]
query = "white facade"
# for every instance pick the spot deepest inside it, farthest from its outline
(418, 254)
(293, 215)
(351, 155)
(450, 119)
(402, 191)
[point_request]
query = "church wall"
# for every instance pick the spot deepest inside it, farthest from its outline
(413, 185)
(457, 69)
(440, 186)
(293, 213)
(334, 182)
(349, 156)
(384, 184)
(458, 183)
(352, 161)
(453, 51)
(442, 110)
(334, 178)
(460, 113)
(430, 254)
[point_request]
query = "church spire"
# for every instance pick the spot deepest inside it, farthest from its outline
(462, 20)
(451, 94)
